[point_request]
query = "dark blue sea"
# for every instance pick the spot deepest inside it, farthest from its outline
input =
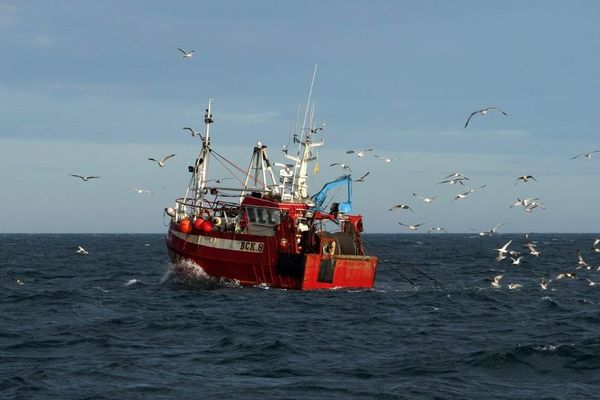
(116, 324)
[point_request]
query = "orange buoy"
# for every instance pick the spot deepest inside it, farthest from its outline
(198, 224)
(207, 226)
(185, 225)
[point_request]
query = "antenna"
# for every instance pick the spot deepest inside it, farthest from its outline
(312, 83)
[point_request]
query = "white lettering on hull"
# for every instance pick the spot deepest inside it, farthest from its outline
(218, 243)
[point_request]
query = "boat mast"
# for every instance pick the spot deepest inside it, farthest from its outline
(198, 180)
(202, 161)
(305, 145)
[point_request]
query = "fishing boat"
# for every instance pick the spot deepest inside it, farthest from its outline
(270, 231)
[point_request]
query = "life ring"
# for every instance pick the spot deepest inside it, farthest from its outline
(205, 214)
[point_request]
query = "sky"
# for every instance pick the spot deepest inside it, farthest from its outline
(95, 88)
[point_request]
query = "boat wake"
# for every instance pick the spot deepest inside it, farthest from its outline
(189, 273)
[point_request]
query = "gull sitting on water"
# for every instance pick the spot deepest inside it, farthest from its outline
(570, 275)
(586, 155)
(412, 227)
(186, 54)
(513, 286)
(162, 161)
(525, 178)
(425, 199)
(496, 281)
(84, 178)
(483, 112)
(82, 251)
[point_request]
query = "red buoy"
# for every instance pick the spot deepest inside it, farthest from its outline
(198, 224)
(185, 226)
(207, 226)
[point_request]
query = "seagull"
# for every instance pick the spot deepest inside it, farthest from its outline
(455, 175)
(581, 262)
(387, 160)
(592, 283)
(437, 229)
(533, 206)
(471, 190)
(82, 251)
(493, 230)
(586, 155)
(461, 196)
(19, 282)
(525, 202)
(596, 241)
(402, 206)
(218, 180)
(425, 199)
(193, 132)
(141, 191)
(162, 161)
(544, 284)
(359, 153)
(362, 178)
(453, 181)
(412, 227)
(516, 261)
(496, 281)
(503, 250)
(186, 54)
(483, 112)
(532, 250)
(514, 285)
(525, 178)
(85, 178)
(344, 166)
(570, 275)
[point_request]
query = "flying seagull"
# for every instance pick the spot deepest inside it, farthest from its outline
(544, 284)
(586, 155)
(524, 178)
(359, 153)
(483, 112)
(82, 251)
(186, 54)
(344, 166)
(141, 191)
(386, 159)
(85, 178)
(425, 199)
(362, 178)
(193, 132)
(402, 206)
(162, 161)
(412, 227)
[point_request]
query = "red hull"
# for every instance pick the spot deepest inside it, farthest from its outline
(256, 260)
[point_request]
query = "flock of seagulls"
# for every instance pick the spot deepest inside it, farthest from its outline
(516, 258)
